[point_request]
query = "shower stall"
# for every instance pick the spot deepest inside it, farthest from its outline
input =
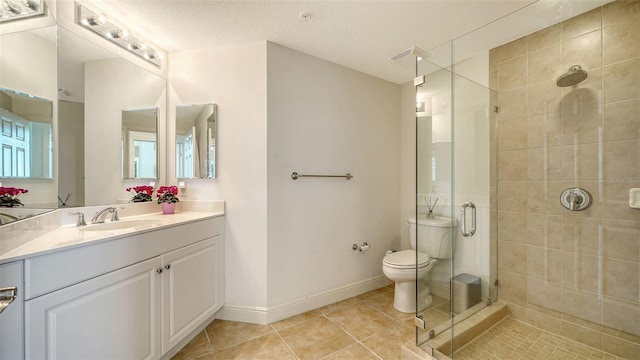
(528, 134)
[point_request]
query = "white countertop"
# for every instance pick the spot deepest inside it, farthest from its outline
(25, 242)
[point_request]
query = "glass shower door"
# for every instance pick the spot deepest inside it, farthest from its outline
(453, 172)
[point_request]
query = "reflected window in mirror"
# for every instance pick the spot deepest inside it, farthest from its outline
(196, 141)
(26, 138)
(139, 143)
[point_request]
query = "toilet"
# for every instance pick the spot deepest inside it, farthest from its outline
(403, 267)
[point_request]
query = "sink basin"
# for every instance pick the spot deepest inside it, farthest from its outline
(121, 225)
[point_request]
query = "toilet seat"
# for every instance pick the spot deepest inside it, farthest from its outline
(406, 259)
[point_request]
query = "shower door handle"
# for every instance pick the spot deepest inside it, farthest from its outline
(463, 219)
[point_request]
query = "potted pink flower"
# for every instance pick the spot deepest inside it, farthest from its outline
(142, 193)
(9, 196)
(168, 197)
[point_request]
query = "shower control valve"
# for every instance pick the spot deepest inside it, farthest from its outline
(575, 199)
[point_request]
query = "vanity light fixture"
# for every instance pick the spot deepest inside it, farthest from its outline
(20, 9)
(116, 34)
(95, 20)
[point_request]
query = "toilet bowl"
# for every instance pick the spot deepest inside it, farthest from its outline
(410, 269)
(402, 268)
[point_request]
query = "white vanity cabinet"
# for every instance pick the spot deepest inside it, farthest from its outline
(191, 287)
(11, 325)
(114, 316)
(139, 311)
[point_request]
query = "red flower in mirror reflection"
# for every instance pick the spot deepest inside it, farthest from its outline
(141, 193)
(9, 196)
(168, 194)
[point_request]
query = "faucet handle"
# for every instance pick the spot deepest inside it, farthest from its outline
(114, 213)
(81, 221)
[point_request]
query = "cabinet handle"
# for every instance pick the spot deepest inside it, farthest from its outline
(159, 270)
(168, 266)
(6, 299)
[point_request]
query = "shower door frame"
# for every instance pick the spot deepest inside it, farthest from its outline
(459, 109)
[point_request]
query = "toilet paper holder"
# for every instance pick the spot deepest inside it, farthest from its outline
(361, 248)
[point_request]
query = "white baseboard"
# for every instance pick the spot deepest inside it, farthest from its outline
(263, 315)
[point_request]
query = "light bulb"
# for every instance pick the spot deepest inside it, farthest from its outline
(31, 4)
(94, 20)
(12, 7)
(151, 54)
(118, 34)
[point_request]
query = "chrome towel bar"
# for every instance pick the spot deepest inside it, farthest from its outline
(295, 176)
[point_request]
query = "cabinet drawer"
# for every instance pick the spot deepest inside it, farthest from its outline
(47, 273)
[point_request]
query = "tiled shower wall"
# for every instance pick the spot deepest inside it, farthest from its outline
(573, 273)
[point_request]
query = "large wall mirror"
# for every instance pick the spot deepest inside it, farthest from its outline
(28, 91)
(196, 141)
(139, 143)
(120, 105)
(62, 100)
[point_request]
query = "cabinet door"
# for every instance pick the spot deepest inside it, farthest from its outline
(11, 335)
(190, 286)
(113, 316)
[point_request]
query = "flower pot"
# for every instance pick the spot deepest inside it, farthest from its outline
(168, 208)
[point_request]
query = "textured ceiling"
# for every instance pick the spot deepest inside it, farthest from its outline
(358, 34)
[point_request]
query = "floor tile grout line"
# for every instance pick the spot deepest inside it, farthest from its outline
(398, 324)
(370, 306)
(354, 338)
(238, 343)
(206, 334)
(286, 343)
(558, 345)
(571, 341)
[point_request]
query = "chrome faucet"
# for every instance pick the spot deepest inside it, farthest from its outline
(81, 221)
(100, 215)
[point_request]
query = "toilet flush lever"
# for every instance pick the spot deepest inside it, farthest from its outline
(463, 219)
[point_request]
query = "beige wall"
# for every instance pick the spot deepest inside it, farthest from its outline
(234, 78)
(288, 243)
(324, 118)
(573, 273)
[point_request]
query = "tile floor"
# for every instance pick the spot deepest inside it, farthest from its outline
(368, 327)
(513, 340)
(363, 327)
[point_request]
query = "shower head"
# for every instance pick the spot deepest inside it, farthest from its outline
(572, 77)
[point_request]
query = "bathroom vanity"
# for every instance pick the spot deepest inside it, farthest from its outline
(119, 292)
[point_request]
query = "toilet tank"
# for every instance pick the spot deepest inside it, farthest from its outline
(435, 236)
